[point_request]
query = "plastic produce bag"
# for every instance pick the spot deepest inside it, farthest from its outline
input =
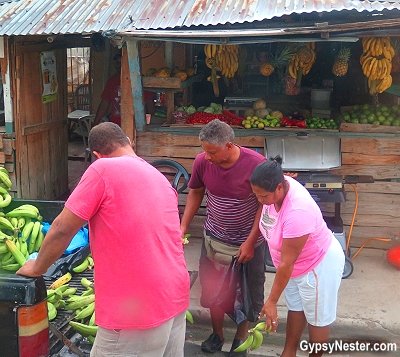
(80, 239)
(234, 296)
(66, 263)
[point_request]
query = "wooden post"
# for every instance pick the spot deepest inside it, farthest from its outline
(136, 83)
(127, 108)
(169, 54)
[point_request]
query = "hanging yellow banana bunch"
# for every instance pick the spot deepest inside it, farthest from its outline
(210, 51)
(301, 62)
(227, 60)
(376, 62)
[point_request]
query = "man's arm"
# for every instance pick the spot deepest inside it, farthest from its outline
(193, 202)
(102, 110)
(246, 250)
(57, 239)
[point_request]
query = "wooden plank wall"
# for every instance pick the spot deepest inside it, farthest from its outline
(378, 212)
(41, 136)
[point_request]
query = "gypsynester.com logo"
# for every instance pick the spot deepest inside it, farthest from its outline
(347, 346)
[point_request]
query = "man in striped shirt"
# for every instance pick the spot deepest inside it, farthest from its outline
(222, 173)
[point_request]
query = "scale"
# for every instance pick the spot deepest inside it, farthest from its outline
(239, 101)
(238, 105)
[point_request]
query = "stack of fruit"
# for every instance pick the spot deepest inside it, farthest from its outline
(301, 62)
(376, 63)
(20, 229)
(373, 114)
(320, 123)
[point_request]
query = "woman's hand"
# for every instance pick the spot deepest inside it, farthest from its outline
(270, 312)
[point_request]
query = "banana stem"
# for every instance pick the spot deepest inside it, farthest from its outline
(214, 81)
(372, 88)
(299, 76)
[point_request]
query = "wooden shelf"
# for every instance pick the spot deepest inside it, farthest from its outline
(169, 85)
(157, 84)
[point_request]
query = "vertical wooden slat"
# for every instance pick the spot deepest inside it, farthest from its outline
(127, 109)
(136, 82)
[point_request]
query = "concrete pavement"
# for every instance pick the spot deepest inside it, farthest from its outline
(368, 309)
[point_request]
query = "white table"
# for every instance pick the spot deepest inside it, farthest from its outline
(76, 114)
(74, 117)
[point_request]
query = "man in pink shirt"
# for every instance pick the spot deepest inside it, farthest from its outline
(141, 279)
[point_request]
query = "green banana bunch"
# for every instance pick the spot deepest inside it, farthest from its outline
(86, 283)
(255, 338)
(5, 181)
(33, 236)
(5, 200)
(26, 210)
(246, 344)
(189, 316)
(92, 319)
(81, 267)
(39, 240)
(13, 267)
(84, 330)
(80, 302)
(85, 312)
(6, 224)
(51, 310)
(68, 292)
(3, 248)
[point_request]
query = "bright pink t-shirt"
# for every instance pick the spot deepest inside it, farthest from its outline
(298, 216)
(141, 279)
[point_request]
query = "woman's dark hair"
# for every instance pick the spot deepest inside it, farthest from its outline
(268, 174)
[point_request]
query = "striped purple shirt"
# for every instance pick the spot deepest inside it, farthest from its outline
(231, 204)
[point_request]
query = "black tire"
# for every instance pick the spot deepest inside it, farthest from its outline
(348, 268)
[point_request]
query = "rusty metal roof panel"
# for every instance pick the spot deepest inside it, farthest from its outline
(46, 17)
(212, 12)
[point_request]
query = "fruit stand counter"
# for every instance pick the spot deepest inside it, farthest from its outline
(366, 150)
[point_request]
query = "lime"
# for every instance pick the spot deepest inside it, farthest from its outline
(354, 121)
(346, 117)
(381, 118)
(396, 122)
(364, 121)
(312, 125)
(386, 122)
(376, 122)
(247, 126)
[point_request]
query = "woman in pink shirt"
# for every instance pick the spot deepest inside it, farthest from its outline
(309, 260)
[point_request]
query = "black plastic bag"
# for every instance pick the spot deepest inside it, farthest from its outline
(243, 308)
(66, 263)
(234, 296)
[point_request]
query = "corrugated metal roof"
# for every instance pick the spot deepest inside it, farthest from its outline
(46, 17)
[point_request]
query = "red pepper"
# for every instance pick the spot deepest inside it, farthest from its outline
(286, 121)
(301, 124)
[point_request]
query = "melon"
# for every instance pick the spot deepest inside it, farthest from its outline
(249, 113)
(259, 104)
(261, 113)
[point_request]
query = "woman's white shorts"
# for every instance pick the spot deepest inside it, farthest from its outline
(316, 293)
